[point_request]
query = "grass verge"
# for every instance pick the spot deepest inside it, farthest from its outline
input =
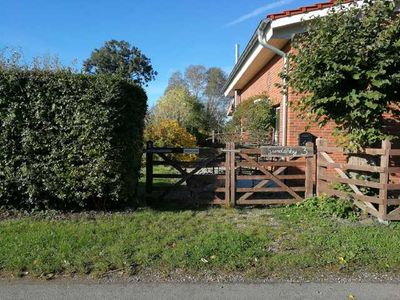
(284, 242)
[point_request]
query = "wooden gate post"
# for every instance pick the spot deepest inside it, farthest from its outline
(149, 167)
(309, 185)
(384, 179)
(227, 173)
(233, 176)
(320, 170)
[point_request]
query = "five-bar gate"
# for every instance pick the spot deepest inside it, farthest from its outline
(231, 176)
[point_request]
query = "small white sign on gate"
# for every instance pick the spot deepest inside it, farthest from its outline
(191, 151)
(278, 151)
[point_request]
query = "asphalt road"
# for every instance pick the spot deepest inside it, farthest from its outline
(74, 290)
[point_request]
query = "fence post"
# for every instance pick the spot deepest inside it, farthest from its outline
(227, 173)
(233, 175)
(149, 167)
(384, 179)
(320, 170)
(308, 173)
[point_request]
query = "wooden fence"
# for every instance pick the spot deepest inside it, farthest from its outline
(235, 176)
(212, 183)
(280, 175)
(374, 184)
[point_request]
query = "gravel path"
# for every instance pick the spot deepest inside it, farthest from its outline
(87, 290)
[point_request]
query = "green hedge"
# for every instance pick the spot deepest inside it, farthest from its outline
(69, 140)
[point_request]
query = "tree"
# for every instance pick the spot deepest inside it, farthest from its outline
(348, 66)
(256, 117)
(179, 105)
(176, 81)
(122, 59)
(196, 79)
(215, 101)
(206, 85)
(168, 133)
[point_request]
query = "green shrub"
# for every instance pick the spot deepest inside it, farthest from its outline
(347, 67)
(69, 140)
(329, 207)
(256, 117)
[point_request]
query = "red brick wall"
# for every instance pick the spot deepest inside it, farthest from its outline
(298, 124)
(265, 82)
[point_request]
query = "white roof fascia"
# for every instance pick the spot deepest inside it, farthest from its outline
(244, 68)
(279, 26)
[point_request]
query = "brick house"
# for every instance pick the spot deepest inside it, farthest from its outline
(257, 72)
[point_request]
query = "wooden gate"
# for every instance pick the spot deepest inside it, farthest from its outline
(203, 179)
(272, 175)
(233, 176)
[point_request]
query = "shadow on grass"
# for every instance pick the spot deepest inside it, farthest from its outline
(169, 203)
(184, 201)
(175, 205)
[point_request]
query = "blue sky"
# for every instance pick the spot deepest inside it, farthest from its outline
(173, 33)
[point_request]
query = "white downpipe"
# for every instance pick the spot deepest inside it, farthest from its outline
(263, 42)
(236, 98)
(285, 101)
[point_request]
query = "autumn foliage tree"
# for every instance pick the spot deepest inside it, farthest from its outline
(348, 66)
(168, 133)
(206, 86)
(179, 105)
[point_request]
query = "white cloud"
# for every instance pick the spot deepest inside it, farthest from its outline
(259, 11)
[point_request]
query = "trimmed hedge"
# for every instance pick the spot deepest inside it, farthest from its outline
(69, 140)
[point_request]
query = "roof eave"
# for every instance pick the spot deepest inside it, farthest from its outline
(274, 23)
(244, 56)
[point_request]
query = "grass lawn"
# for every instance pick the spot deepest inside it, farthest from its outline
(285, 242)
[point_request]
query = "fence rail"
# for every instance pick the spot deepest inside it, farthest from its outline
(244, 176)
(374, 185)
(372, 179)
